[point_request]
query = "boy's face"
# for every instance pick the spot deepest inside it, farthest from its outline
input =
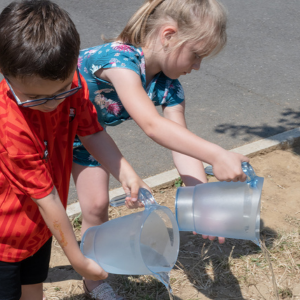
(32, 88)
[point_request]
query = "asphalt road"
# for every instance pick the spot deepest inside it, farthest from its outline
(248, 92)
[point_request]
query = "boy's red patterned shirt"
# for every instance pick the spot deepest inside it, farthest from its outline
(36, 155)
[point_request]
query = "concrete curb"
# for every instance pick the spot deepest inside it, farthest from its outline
(283, 140)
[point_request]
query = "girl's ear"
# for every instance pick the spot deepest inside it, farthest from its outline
(167, 35)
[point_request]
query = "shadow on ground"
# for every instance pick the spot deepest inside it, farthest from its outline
(210, 272)
(289, 119)
(130, 287)
(206, 264)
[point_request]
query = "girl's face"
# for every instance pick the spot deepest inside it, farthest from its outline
(182, 60)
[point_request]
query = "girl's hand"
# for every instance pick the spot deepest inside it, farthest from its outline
(211, 238)
(227, 166)
(89, 269)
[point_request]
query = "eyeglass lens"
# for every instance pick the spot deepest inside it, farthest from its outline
(36, 103)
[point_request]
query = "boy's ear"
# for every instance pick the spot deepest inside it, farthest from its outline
(167, 34)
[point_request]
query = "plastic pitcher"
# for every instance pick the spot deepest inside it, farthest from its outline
(227, 209)
(142, 243)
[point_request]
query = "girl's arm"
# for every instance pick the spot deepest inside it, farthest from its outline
(227, 165)
(57, 221)
(190, 169)
(105, 151)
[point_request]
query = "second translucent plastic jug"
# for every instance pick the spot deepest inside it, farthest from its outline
(227, 209)
(142, 243)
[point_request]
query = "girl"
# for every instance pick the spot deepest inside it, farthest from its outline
(163, 40)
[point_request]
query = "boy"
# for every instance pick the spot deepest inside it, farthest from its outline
(43, 105)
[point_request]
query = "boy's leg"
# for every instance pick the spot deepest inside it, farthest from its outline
(34, 271)
(92, 190)
(26, 276)
(10, 283)
(32, 292)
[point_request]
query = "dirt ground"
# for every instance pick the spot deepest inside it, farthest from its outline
(208, 270)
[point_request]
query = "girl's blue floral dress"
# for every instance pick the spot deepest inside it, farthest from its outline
(161, 90)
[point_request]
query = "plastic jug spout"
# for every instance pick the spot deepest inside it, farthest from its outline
(147, 198)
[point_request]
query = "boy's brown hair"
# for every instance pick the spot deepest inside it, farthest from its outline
(37, 38)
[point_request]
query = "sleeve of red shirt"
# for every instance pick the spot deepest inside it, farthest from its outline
(88, 121)
(21, 160)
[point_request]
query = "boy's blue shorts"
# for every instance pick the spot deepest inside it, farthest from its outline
(82, 157)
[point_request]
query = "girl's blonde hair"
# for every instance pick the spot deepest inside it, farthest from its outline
(196, 20)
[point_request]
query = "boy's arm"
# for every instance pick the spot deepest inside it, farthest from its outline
(104, 150)
(57, 221)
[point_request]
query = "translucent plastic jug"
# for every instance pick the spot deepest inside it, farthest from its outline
(227, 209)
(142, 243)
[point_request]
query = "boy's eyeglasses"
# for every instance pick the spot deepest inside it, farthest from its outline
(36, 102)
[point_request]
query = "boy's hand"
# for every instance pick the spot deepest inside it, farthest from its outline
(133, 203)
(89, 269)
(131, 186)
(227, 166)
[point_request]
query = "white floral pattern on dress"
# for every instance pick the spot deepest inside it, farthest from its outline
(161, 90)
(114, 62)
(95, 68)
(91, 158)
(180, 92)
(143, 66)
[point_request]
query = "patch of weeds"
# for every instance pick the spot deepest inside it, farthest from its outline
(178, 182)
(173, 280)
(57, 289)
(286, 293)
(77, 222)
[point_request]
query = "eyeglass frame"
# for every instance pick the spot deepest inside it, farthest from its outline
(76, 89)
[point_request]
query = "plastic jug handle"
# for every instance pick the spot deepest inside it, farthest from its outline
(144, 196)
(247, 169)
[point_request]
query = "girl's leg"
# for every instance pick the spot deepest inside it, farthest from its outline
(92, 190)
(32, 292)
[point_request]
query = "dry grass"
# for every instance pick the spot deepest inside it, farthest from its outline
(236, 270)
